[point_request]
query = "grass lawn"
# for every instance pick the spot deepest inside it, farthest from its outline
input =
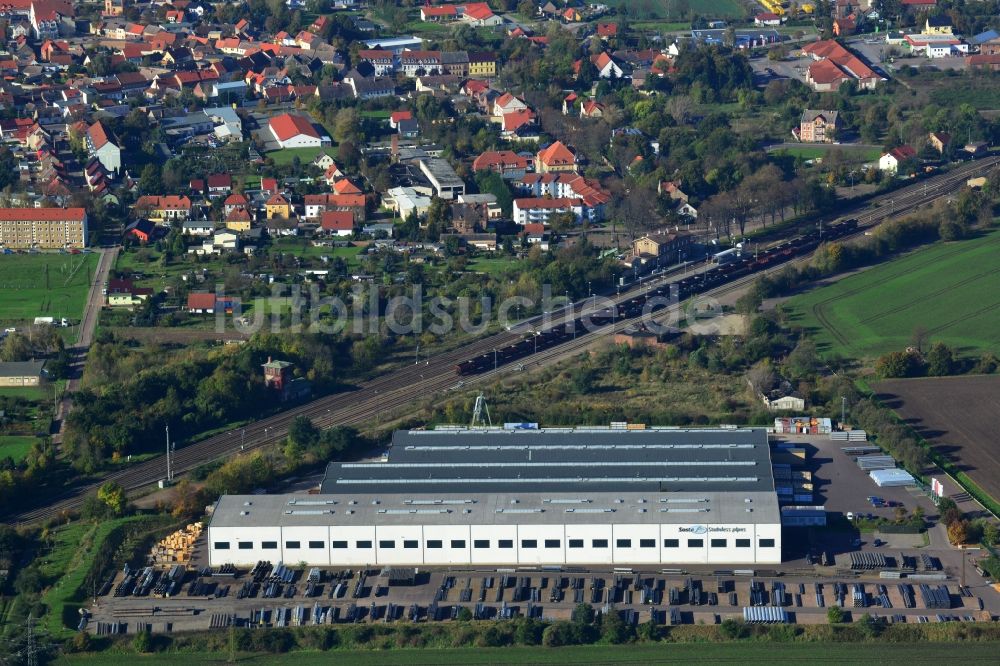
(305, 155)
(378, 114)
(661, 26)
(662, 653)
(158, 276)
(15, 446)
(44, 285)
(301, 247)
(979, 92)
(949, 289)
(68, 563)
(493, 266)
(27, 392)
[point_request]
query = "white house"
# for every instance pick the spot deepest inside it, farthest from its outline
(295, 131)
(891, 160)
(100, 145)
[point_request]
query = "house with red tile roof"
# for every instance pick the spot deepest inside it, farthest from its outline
(890, 161)
(439, 13)
(591, 109)
(517, 122)
(554, 158)
(337, 222)
(102, 145)
(480, 15)
(607, 30)
(836, 65)
(507, 163)
(295, 131)
(163, 208)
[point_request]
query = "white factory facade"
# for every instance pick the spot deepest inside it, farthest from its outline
(523, 498)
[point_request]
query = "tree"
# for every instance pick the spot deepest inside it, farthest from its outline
(870, 625)
(303, 433)
(940, 360)
(112, 495)
(761, 377)
(15, 348)
(919, 337)
(143, 642)
(835, 615)
(613, 628)
(958, 532)
(347, 126)
(732, 629)
(897, 364)
(803, 361)
(583, 614)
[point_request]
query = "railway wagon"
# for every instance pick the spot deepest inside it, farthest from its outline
(737, 267)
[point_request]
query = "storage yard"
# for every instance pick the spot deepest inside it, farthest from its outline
(267, 596)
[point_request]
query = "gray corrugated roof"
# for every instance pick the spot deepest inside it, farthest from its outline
(21, 368)
(563, 460)
(511, 508)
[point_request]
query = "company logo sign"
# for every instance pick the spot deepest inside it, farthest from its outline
(704, 529)
(695, 529)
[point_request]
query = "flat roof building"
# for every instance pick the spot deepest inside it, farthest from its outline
(442, 177)
(523, 497)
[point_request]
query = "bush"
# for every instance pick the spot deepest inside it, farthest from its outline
(835, 615)
(143, 642)
(733, 629)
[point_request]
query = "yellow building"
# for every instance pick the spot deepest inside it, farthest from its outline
(238, 219)
(278, 206)
(482, 64)
(937, 25)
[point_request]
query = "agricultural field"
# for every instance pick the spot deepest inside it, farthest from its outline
(957, 416)
(15, 447)
(44, 285)
(706, 654)
(948, 290)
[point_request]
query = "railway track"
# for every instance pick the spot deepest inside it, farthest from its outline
(425, 379)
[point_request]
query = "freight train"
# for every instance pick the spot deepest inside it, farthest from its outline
(712, 278)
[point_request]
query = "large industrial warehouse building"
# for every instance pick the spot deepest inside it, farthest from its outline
(523, 497)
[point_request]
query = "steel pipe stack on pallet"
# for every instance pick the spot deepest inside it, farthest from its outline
(906, 591)
(869, 463)
(935, 597)
(765, 615)
(867, 561)
(858, 596)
